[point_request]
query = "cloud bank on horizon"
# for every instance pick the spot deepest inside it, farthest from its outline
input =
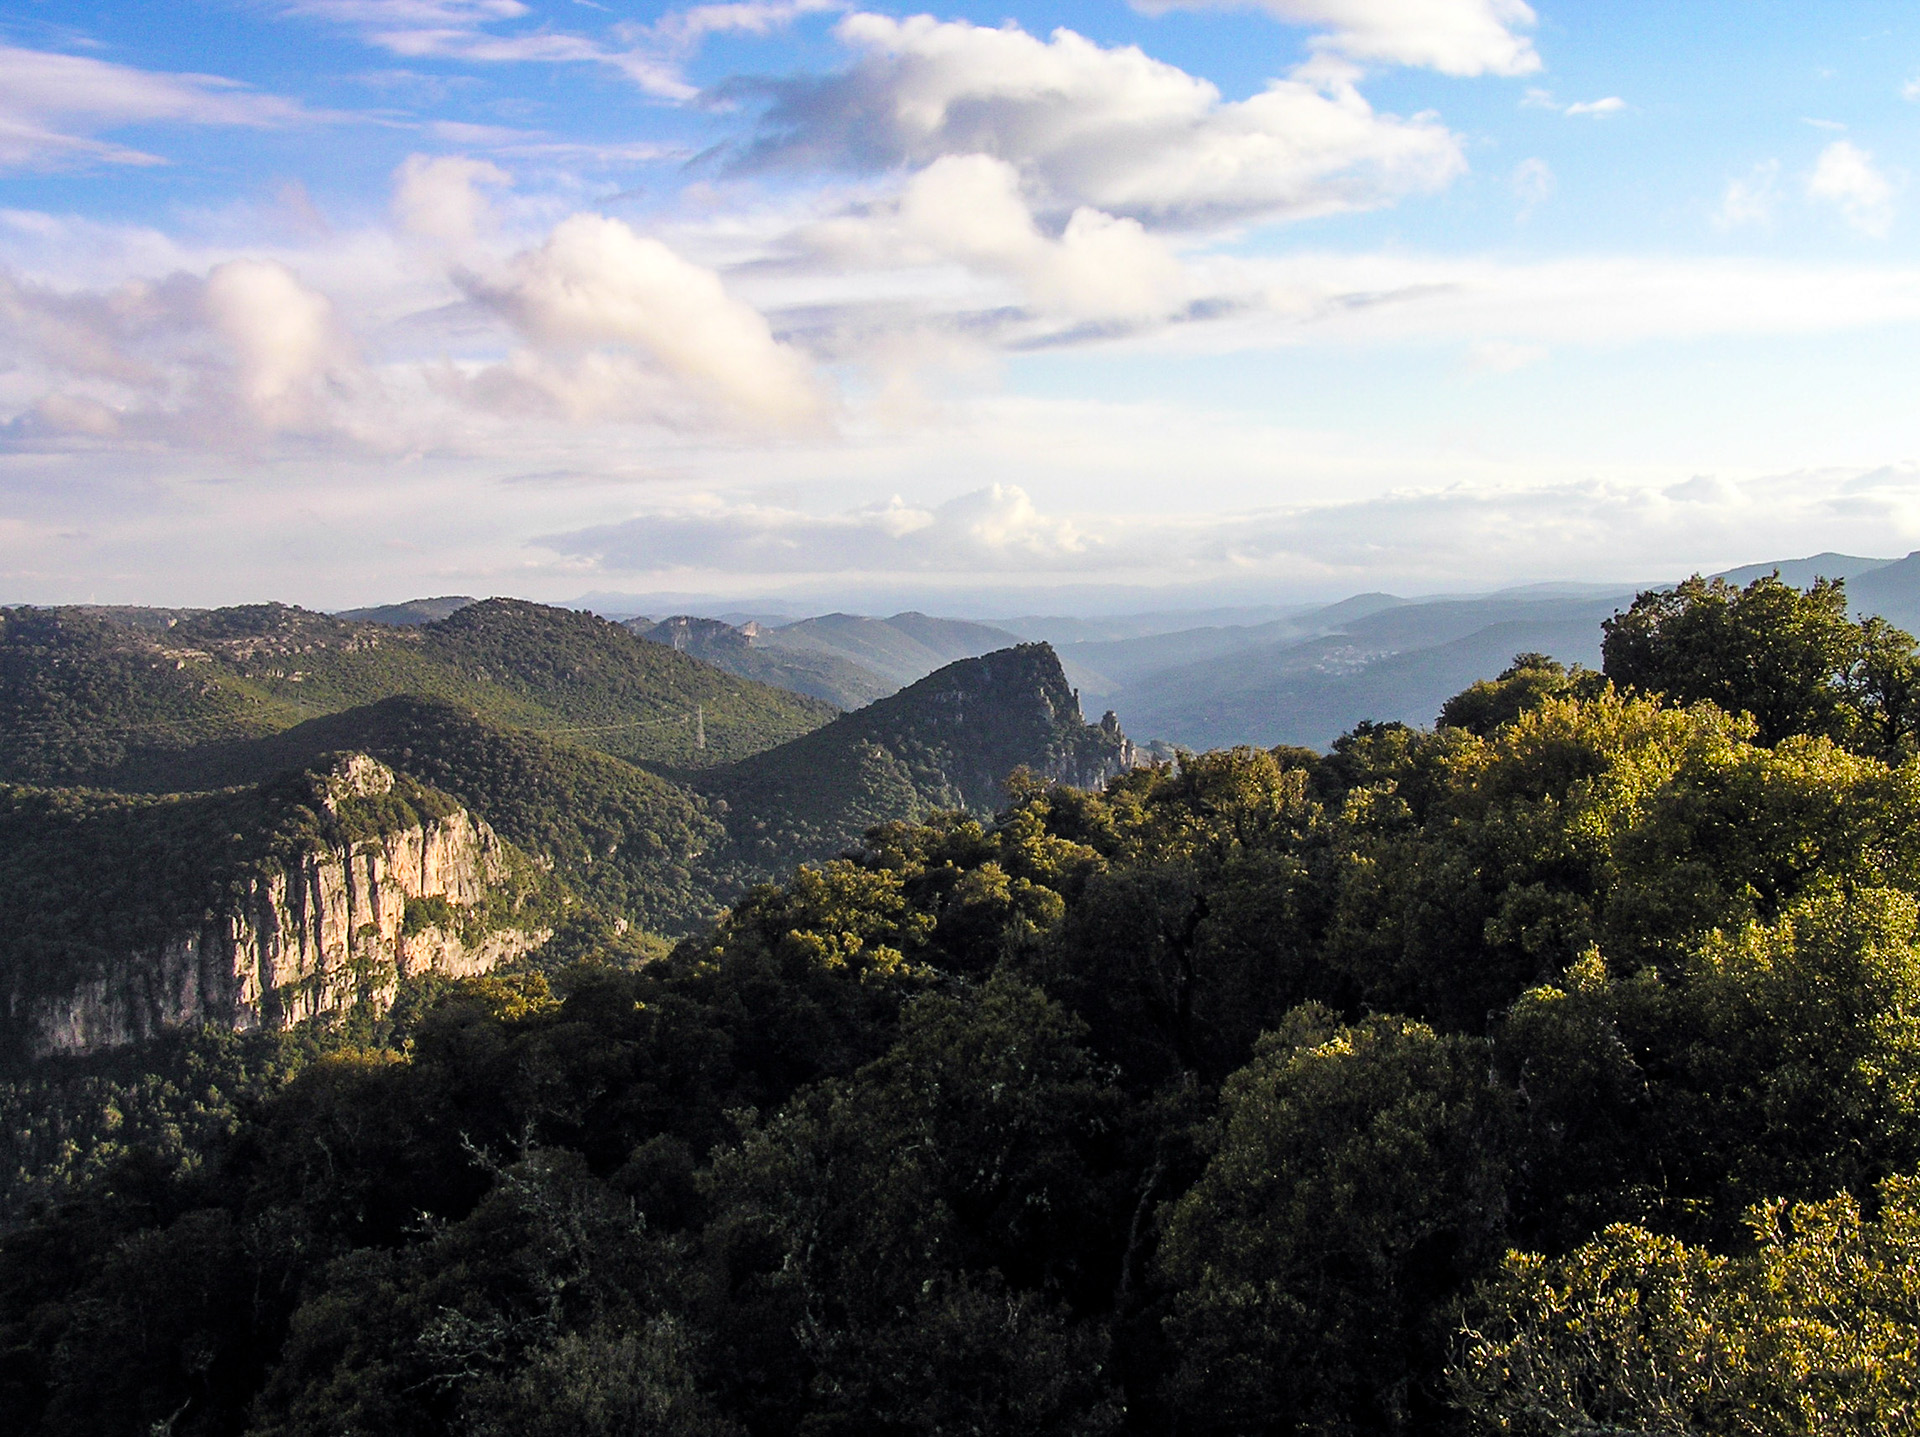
(340, 300)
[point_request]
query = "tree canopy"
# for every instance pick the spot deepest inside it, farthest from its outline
(1555, 1070)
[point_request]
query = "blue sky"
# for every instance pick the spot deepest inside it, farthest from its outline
(1061, 306)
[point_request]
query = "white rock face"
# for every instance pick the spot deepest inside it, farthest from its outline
(314, 938)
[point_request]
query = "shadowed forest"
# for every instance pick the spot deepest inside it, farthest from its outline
(1556, 1069)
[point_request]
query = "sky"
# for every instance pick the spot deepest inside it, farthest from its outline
(1064, 307)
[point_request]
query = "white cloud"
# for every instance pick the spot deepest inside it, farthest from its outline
(1750, 199)
(284, 338)
(1500, 356)
(1536, 99)
(610, 314)
(1455, 37)
(468, 30)
(436, 198)
(1846, 177)
(968, 209)
(1591, 300)
(223, 361)
(459, 30)
(52, 106)
(1434, 535)
(992, 530)
(682, 31)
(1533, 184)
(1111, 129)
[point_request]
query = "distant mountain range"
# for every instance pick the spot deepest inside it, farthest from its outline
(847, 659)
(1203, 679)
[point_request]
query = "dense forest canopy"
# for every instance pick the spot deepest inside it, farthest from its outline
(1555, 1070)
(124, 698)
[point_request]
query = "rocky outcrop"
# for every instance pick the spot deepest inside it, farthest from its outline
(338, 925)
(950, 741)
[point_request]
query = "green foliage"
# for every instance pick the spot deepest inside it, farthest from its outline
(85, 699)
(1525, 684)
(90, 879)
(424, 913)
(1552, 1071)
(166, 1105)
(947, 742)
(1359, 1179)
(902, 1238)
(1793, 660)
(1811, 1332)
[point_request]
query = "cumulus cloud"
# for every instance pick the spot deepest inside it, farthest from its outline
(969, 209)
(992, 530)
(1455, 37)
(283, 336)
(437, 198)
(245, 352)
(1846, 178)
(53, 107)
(618, 325)
(595, 325)
(1106, 128)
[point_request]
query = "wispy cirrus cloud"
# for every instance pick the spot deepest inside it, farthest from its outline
(491, 32)
(1536, 99)
(55, 108)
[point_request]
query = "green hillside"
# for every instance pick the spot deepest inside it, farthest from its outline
(627, 841)
(1548, 1072)
(92, 696)
(746, 652)
(536, 718)
(947, 742)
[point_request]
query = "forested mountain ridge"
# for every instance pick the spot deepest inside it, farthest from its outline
(947, 742)
(100, 696)
(1549, 1071)
(744, 651)
(625, 839)
(625, 846)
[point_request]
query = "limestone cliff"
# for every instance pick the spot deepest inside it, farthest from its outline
(372, 890)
